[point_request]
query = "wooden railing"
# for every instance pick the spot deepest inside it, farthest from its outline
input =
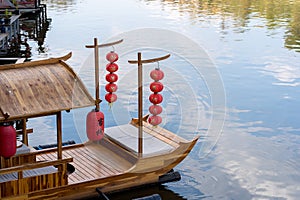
(17, 160)
(30, 157)
(28, 178)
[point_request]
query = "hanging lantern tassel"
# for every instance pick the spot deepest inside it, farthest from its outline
(155, 98)
(111, 78)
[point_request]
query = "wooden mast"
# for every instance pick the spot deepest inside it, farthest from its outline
(96, 54)
(97, 89)
(140, 62)
(59, 135)
(61, 167)
(140, 102)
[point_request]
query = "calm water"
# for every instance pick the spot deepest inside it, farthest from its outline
(233, 78)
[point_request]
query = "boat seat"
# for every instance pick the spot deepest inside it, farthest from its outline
(39, 171)
(28, 173)
(8, 177)
(127, 136)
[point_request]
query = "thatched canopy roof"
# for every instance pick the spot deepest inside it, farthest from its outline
(40, 88)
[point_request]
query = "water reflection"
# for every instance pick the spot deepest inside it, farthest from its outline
(262, 166)
(285, 74)
(61, 6)
(244, 166)
(35, 27)
(257, 155)
(277, 14)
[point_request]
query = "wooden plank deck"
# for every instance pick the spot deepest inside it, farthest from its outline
(116, 153)
(91, 161)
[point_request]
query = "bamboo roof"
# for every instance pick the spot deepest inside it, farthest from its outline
(40, 88)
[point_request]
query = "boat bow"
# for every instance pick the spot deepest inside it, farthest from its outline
(163, 162)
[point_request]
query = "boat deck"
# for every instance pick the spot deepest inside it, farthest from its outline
(91, 161)
(111, 156)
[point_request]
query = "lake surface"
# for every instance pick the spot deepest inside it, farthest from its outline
(233, 78)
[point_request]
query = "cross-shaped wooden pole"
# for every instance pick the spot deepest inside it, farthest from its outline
(96, 47)
(140, 63)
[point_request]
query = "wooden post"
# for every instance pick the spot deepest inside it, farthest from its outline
(59, 147)
(24, 132)
(140, 103)
(140, 95)
(2, 162)
(97, 92)
(59, 135)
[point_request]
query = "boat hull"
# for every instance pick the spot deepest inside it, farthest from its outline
(145, 171)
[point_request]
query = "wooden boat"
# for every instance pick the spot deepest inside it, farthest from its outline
(48, 87)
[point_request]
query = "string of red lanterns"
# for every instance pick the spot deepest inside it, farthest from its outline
(95, 118)
(155, 98)
(111, 78)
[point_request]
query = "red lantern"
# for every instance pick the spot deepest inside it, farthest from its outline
(157, 74)
(111, 97)
(112, 67)
(156, 86)
(155, 109)
(112, 57)
(95, 125)
(155, 98)
(111, 77)
(8, 140)
(111, 87)
(155, 120)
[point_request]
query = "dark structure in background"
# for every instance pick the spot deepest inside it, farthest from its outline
(21, 21)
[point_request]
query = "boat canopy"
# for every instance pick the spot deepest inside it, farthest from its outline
(39, 88)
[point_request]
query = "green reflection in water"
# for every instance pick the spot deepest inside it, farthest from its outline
(276, 14)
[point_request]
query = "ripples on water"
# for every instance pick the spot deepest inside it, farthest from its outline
(254, 46)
